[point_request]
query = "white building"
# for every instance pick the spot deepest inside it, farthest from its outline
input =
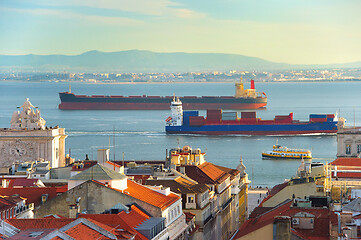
(349, 142)
(28, 139)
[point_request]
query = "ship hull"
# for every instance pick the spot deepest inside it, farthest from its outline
(268, 156)
(253, 129)
(77, 102)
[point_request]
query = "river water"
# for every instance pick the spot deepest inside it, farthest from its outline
(140, 134)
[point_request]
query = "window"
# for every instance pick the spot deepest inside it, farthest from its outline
(348, 149)
(359, 148)
(178, 209)
(190, 200)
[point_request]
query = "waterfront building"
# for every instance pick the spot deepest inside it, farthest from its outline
(349, 142)
(28, 139)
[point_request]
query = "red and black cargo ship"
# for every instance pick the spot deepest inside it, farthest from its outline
(243, 99)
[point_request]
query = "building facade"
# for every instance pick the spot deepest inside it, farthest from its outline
(349, 142)
(28, 139)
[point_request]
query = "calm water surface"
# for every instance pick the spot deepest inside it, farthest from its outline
(140, 134)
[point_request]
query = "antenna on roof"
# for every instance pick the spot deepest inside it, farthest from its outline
(69, 88)
(123, 158)
(114, 143)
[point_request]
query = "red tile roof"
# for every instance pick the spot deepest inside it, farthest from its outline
(150, 196)
(347, 174)
(21, 182)
(135, 217)
(278, 188)
(356, 162)
(24, 224)
(26, 234)
(83, 232)
(33, 195)
(113, 164)
(262, 220)
(206, 173)
(56, 238)
(6, 203)
(123, 220)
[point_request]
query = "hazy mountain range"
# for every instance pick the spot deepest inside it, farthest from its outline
(147, 61)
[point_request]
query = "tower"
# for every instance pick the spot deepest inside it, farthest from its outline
(28, 139)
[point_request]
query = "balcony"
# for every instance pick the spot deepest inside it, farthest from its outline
(225, 205)
(25, 208)
(207, 219)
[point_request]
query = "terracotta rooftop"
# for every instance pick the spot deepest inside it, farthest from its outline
(206, 173)
(355, 162)
(123, 220)
(32, 234)
(150, 196)
(179, 185)
(278, 188)
(33, 195)
(21, 182)
(146, 194)
(262, 220)
(54, 223)
(82, 231)
(6, 203)
(231, 171)
(258, 211)
(356, 175)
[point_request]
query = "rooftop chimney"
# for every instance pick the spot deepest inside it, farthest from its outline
(103, 155)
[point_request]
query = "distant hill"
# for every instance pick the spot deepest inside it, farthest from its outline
(145, 61)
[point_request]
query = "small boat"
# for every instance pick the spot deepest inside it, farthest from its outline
(281, 152)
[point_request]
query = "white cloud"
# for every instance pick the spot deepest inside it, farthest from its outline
(145, 7)
(71, 15)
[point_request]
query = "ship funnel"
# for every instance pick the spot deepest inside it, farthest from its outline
(252, 84)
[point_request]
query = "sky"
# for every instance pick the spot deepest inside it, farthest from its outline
(288, 31)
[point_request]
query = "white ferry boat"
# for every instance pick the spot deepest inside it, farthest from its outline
(281, 152)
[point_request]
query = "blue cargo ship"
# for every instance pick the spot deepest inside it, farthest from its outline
(218, 122)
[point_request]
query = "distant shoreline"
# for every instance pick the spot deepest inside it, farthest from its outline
(184, 82)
